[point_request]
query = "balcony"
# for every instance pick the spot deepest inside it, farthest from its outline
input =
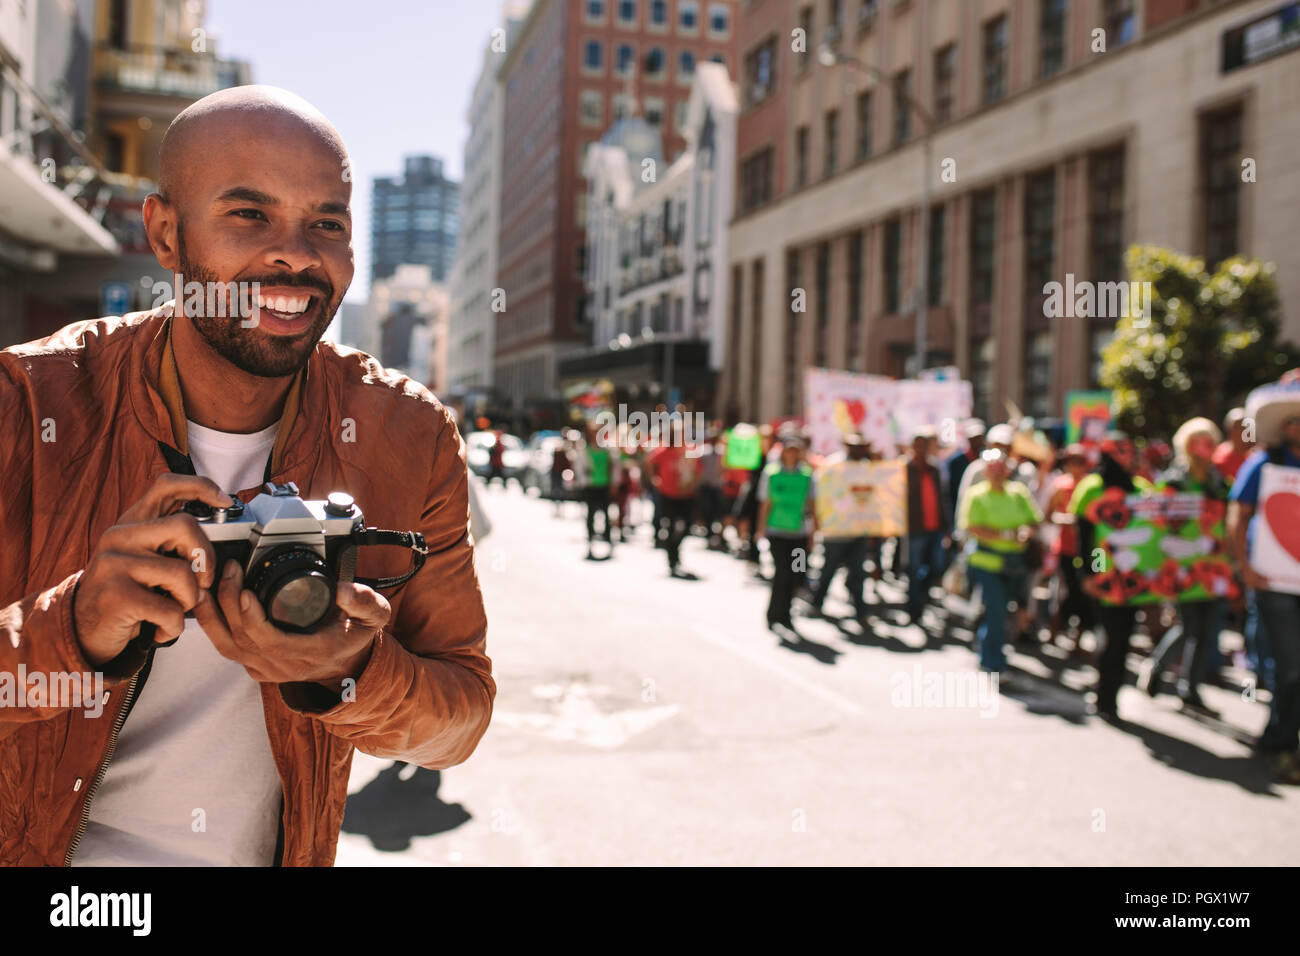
(173, 77)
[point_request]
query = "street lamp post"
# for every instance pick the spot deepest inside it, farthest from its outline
(830, 55)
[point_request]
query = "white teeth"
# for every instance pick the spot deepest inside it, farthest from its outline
(288, 305)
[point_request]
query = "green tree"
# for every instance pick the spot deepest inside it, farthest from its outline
(1210, 339)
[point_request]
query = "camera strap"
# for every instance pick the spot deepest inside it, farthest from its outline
(413, 541)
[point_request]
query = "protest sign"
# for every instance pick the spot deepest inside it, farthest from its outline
(862, 498)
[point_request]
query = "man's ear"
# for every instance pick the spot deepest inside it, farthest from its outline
(160, 225)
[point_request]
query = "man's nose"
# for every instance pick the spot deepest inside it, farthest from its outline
(293, 248)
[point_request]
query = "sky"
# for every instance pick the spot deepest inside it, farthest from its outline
(394, 76)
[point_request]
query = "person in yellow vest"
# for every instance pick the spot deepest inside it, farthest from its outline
(999, 517)
(787, 519)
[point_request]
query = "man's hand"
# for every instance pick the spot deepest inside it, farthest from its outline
(1253, 579)
(115, 594)
(339, 650)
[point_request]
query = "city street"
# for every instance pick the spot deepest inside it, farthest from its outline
(646, 720)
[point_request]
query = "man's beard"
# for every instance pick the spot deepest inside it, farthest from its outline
(250, 349)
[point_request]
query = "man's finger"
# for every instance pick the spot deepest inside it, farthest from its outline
(169, 491)
(209, 617)
(157, 571)
(178, 533)
(362, 604)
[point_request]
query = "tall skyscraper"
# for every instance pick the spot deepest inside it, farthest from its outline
(414, 219)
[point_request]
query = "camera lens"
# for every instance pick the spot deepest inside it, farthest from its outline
(294, 586)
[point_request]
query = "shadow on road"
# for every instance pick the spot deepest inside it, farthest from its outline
(1249, 773)
(390, 810)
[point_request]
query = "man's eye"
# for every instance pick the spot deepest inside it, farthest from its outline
(248, 213)
(331, 224)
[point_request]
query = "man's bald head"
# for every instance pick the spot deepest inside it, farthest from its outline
(201, 129)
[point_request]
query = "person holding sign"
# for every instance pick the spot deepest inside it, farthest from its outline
(1193, 471)
(1262, 530)
(1115, 476)
(1000, 517)
(786, 518)
(843, 550)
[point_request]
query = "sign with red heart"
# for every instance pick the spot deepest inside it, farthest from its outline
(1276, 550)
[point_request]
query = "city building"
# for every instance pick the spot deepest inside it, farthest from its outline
(414, 219)
(406, 326)
(472, 325)
(575, 68)
(105, 105)
(657, 260)
(1058, 133)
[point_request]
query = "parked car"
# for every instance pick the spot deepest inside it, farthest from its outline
(478, 455)
(541, 452)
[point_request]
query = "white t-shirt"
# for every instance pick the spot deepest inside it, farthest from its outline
(192, 781)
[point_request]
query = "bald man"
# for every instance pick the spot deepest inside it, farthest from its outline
(155, 715)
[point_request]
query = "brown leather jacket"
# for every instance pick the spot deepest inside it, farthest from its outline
(82, 414)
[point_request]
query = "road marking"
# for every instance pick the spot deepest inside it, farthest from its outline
(747, 654)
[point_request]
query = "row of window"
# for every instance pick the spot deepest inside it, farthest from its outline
(591, 110)
(654, 64)
(627, 13)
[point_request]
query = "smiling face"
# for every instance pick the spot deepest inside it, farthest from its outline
(258, 196)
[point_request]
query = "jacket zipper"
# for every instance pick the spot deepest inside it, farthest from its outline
(103, 769)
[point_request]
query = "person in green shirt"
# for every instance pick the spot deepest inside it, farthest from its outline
(999, 517)
(598, 478)
(786, 493)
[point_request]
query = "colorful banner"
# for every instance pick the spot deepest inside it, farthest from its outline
(1275, 552)
(857, 498)
(884, 411)
(1087, 417)
(1160, 546)
(744, 448)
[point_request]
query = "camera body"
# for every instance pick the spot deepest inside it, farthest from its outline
(293, 552)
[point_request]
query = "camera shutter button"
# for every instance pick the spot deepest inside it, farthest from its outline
(339, 504)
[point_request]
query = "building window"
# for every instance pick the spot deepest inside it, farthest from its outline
(1051, 37)
(627, 11)
(902, 107)
(806, 25)
(983, 353)
(1040, 239)
(685, 66)
(1221, 183)
(832, 141)
(1121, 22)
(945, 80)
(655, 62)
(659, 12)
(792, 362)
(1097, 342)
(595, 9)
(624, 59)
(654, 110)
(983, 243)
(1106, 215)
(835, 14)
(688, 16)
(756, 180)
(822, 304)
(1038, 375)
(938, 262)
(593, 55)
(756, 340)
(801, 157)
(593, 108)
(867, 14)
(995, 59)
(865, 119)
(760, 72)
(892, 265)
(719, 19)
(719, 58)
(622, 105)
(854, 350)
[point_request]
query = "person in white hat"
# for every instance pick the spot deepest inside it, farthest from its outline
(1275, 410)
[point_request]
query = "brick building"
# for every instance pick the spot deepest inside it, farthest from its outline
(574, 67)
(1059, 156)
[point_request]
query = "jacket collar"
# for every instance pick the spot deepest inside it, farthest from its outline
(156, 393)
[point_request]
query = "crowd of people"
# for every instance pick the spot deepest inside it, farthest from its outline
(1001, 518)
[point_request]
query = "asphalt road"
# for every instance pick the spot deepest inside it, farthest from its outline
(646, 720)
